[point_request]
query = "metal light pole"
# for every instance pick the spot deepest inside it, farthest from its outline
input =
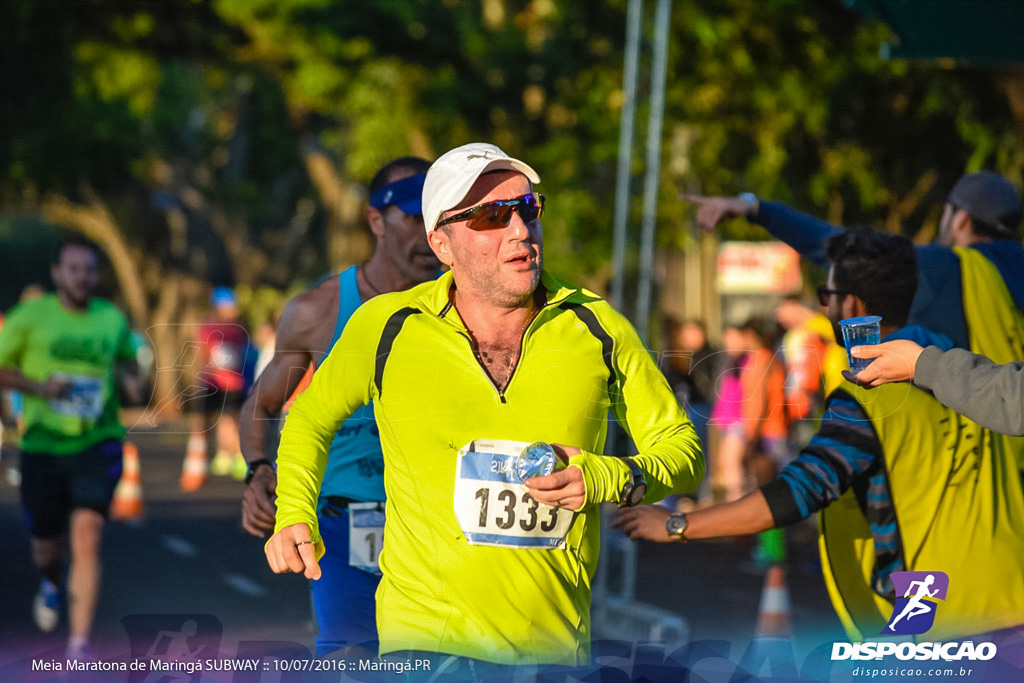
(653, 174)
(627, 121)
(615, 611)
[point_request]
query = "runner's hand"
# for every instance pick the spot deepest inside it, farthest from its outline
(290, 550)
(564, 488)
(54, 388)
(258, 507)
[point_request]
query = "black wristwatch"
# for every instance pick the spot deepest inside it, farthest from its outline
(676, 525)
(253, 466)
(636, 487)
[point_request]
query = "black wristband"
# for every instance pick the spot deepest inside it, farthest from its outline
(253, 466)
(781, 503)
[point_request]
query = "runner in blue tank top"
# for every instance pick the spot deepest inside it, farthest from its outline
(353, 486)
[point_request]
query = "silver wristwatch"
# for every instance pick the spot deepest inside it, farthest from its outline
(676, 525)
(750, 199)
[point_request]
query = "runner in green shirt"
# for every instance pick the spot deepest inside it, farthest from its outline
(62, 352)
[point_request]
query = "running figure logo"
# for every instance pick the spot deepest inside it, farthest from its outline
(914, 612)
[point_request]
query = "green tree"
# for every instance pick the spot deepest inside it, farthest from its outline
(230, 141)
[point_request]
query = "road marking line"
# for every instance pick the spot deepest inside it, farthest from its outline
(244, 585)
(179, 546)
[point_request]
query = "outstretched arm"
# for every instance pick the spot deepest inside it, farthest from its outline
(824, 469)
(893, 361)
(988, 393)
(748, 515)
(712, 211)
(803, 232)
(298, 337)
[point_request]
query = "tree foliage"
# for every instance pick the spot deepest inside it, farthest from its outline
(230, 139)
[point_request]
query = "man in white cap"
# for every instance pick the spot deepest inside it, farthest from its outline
(483, 563)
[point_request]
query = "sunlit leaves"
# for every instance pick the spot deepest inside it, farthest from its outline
(787, 98)
(113, 73)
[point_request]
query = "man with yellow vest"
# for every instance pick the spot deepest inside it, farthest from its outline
(902, 482)
(970, 282)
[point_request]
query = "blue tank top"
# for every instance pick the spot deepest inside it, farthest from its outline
(355, 465)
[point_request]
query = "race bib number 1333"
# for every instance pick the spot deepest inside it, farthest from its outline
(494, 508)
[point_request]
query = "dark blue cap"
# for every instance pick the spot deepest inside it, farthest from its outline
(406, 194)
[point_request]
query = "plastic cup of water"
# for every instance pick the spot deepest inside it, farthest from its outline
(860, 332)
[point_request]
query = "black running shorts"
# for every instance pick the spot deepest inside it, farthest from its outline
(52, 486)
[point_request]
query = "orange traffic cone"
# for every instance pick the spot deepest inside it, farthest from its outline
(193, 470)
(771, 649)
(127, 502)
(773, 615)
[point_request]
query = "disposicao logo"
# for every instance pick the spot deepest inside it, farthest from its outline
(917, 599)
(914, 612)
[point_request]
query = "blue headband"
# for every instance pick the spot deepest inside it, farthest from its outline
(223, 296)
(406, 194)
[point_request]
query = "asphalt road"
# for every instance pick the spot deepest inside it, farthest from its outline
(188, 565)
(187, 558)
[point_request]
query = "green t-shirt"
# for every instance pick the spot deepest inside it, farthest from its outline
(42, 339)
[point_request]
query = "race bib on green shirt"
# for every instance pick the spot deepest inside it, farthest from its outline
(494, 508)
(85, 399)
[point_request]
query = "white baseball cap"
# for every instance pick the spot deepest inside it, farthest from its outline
(450, 178)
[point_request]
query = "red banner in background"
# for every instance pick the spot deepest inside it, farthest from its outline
(758, 268)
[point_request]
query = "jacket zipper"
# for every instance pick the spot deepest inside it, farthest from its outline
(472, 346)
(479, 361)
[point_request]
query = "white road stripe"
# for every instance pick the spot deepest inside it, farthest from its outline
(179, 546)
(244, 585)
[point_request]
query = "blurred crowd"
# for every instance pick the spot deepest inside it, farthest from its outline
(756, 390)
(756, 398)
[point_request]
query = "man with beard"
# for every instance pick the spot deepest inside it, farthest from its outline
(62, 352)
(484, 563)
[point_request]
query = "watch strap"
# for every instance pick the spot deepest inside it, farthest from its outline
(250, 471)
(636, 479)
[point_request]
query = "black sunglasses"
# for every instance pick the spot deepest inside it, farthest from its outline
(497, 215)
(824, 292)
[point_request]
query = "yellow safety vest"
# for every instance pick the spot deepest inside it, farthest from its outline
(995, 325)
(959, 508)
